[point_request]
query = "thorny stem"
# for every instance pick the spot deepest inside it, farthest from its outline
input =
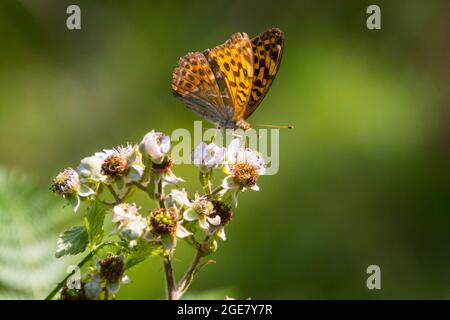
(160, 194)
(205, 180)
(185, 282)
(80, 265)
(119, 200)
(172, 293)
(167, 260)
(216, 190)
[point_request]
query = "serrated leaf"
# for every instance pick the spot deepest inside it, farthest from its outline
(141, 251)
(72, 241)
(93, 221)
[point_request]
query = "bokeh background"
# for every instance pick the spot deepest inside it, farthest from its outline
(364, 177)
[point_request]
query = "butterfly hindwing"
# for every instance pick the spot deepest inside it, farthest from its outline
(194, 83)
(234, 60)
(267, 52)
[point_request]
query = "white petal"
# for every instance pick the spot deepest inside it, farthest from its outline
(149, 236)
(92, 289)
(113, 287)
(169, 241)
(180, 197)
(221, 233)
(199, 154)
(228, 183)
(255, 188)
(215, 221)
(190, 215)
(135, 173)
(182, 232)
(203, 223)
(85, 191)
(74, 201)
(235, 197)
(126, 279)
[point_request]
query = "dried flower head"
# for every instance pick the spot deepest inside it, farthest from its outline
(115, 165)
(66, 182)
(202, 205)
(112, 268)
(223, 211)
(244, 174)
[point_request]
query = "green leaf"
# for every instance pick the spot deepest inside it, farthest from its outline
(72, 241)
(93, 220)
(140, 252)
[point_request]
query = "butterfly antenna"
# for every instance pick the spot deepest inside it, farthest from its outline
(274, 126)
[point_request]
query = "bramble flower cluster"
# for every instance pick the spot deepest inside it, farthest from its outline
(105, 183)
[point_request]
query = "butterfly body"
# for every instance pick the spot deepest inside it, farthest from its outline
(226, 84)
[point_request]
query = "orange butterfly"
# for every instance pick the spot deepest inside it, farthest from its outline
(226, 84)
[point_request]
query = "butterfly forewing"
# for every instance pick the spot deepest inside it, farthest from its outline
(194, 83)
(234, 60)
(267, 52)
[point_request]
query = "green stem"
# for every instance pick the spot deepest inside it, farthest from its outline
(113, 192)
(186, 281)
(160, 194)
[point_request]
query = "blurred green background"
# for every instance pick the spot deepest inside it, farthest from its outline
(364, 177)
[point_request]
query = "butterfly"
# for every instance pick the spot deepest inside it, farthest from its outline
(226, 84)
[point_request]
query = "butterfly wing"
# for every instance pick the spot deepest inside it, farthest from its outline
(232, 64)
(194, 83)
(267, 52)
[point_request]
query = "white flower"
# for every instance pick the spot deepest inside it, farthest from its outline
(178, 198)
(90, 169)
(202, 210)
(68, 184)
(122, 165)
(243, 167)
(156, 145)
(132, 225)
(208, 157)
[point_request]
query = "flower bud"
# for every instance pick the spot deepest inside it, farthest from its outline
(208, 248)
(208, 157)
(156, 145)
